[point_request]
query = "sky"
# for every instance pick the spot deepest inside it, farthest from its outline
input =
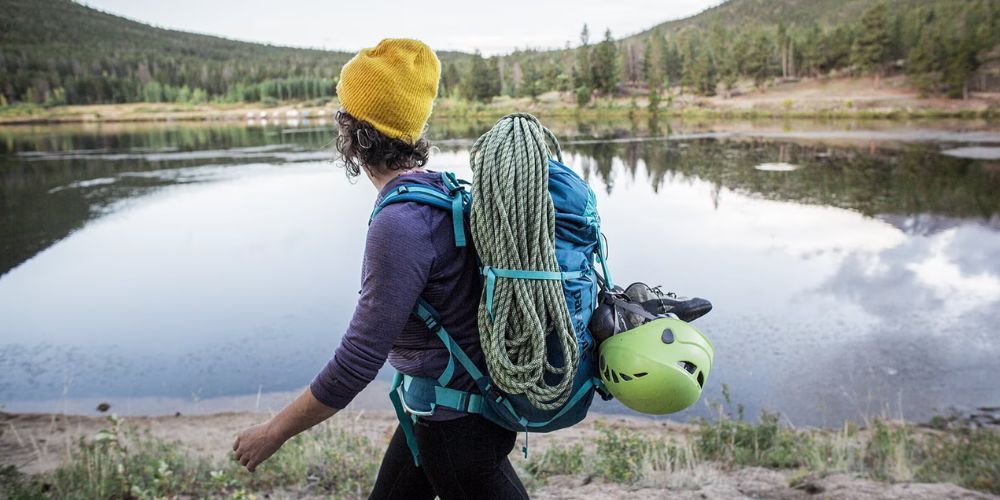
(466, 25)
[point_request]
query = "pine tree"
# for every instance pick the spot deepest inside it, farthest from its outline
(756, 61)
(871, 47)
(707, 77)
(530, 80)
(962, 63)
(783, 48)
(604, 68)
(671, 63)
(725, 59)
(689, 73)
(450, 80)
(663, 52)
(582, 68)
(650, 70)
(810, 52)
(482, 82)
(924, 62)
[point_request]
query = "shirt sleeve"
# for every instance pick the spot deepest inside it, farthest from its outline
(398, 257)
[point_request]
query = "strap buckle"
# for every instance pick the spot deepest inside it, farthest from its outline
(432, 324)
(451, 182)
(492, 391)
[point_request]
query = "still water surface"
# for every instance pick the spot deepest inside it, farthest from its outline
(855, 270)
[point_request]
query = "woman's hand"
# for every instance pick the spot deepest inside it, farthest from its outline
(256, 444)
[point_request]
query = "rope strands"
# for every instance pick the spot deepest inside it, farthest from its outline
(513, 227)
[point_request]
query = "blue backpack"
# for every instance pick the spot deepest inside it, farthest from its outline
(578, 246)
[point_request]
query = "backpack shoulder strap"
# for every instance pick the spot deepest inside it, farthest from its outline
(457, 199)
(442, 395)
(432, 319)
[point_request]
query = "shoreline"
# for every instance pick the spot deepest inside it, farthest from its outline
(100, 114)
(833, 98)
(605, 456)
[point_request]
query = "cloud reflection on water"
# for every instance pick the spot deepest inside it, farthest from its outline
(834, 297)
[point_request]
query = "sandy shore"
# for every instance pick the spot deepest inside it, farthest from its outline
(821, 98)
(37, 443)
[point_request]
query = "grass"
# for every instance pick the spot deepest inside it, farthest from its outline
(331, 461)
(883, 450)
(118, 463)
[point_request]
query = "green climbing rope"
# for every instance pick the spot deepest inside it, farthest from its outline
(513, 227)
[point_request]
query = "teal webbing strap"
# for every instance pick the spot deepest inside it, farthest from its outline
(602, 256)
(456, 192)
(412, 192)
(458, 400)
(585, 388)
(458, 220)
(492, 273)
(405, 421)
(429, 316)
(425, 312)
(443, 397)
(455, 200)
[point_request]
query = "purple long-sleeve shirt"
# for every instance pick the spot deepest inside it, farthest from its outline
(410, 252)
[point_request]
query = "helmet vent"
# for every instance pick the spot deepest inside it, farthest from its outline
(687, 366)
(625, 378)
(614, 376)
(701, 379)
(640, 374)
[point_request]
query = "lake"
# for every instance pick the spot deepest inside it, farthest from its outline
(854, 267)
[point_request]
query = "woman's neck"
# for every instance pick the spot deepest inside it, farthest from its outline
(381, 180)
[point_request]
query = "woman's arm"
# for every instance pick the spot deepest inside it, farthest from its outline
(255, 444)
(398, 258)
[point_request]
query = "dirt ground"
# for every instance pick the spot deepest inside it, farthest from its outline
(845, 94)
(37, 443)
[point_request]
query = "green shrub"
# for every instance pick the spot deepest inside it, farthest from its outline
(969, 458)
(765, 444)
(118, 464)
(583, 95)
(620, 454)
(16, 486)
(327, 458)
(887, 452)
(557, 460)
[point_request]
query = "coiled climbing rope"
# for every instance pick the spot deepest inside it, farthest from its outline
(513, 227)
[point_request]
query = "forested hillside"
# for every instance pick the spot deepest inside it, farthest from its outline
(59, 52)
(940, 45)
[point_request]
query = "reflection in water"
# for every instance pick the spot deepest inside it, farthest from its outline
(199, 262)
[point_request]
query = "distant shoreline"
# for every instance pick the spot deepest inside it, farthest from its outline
(843, 98)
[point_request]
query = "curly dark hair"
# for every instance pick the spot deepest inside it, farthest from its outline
(362, 146)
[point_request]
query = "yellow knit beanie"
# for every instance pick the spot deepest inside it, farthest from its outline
(392, 86)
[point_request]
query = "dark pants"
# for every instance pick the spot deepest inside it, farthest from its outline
(461, 458)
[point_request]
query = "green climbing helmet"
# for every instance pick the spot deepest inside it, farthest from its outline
(658, 367)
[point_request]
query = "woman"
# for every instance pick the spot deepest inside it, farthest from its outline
(386, 94)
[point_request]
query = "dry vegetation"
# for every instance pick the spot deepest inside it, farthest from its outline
(605, 457)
